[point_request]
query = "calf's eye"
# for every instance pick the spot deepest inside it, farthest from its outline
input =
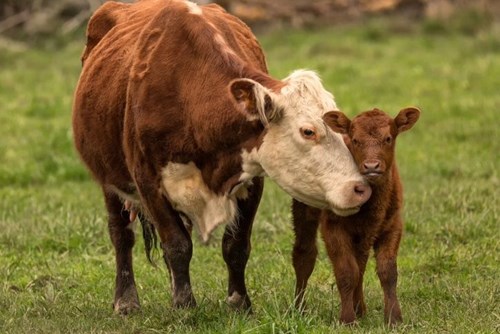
(388, 140)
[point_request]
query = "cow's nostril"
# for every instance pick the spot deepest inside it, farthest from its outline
(363, 190)
(360, 188)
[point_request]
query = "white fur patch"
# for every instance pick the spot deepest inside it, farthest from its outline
(251, 166)
(194, 8)
(184, 186)
(305, 88)
(317, 172)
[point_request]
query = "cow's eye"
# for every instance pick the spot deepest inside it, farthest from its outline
(308, 133)
(388, 139)
(355, 142)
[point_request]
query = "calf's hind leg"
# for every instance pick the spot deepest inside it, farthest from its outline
(386, 249)
(305, 250)
(123, 239)
(236, 247)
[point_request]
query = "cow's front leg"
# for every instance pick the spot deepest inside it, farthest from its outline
(236, 247)
(175, 240)
(122, 235)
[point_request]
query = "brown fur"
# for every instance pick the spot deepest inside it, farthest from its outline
(371, 139)
(154, 89)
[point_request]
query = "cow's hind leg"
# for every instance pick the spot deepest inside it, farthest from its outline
(175, 239)
(177, 252)
(236, 247)
(122, 236)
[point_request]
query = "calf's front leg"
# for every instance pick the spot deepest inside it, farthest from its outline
(345, 267)
(359, 299)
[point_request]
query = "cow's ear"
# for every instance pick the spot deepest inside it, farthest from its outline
(406, 119)
(254, 100)
(337, 121)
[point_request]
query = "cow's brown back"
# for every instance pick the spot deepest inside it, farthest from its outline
(163, 59)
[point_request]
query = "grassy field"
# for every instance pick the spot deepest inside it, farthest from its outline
(56, 260)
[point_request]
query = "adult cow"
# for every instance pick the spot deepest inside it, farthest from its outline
(178, 120)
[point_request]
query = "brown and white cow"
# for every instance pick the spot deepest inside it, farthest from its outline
(371, 137)
(178, 120)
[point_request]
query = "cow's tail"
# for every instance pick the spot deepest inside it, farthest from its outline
(150, 237)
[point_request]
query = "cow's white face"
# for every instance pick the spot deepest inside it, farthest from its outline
(300, 153)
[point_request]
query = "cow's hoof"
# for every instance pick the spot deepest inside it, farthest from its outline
(125, 307)
(239, 302)
(301, 307)
(127, 302)
(184, 302)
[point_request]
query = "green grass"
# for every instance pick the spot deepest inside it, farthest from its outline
(56, 261)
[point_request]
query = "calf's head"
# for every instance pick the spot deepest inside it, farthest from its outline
(371, 137)
(298, 151)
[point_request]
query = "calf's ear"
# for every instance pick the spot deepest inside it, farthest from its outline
(254, 100)
(337, 121)
(406, 118)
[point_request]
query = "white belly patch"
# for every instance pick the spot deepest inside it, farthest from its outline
(184, 186)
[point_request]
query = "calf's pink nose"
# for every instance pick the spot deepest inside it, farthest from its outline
(371, 164)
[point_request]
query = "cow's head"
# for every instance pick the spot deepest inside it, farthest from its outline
(298, 151)
(371, 137)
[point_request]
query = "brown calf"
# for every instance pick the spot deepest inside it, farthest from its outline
(371, 137)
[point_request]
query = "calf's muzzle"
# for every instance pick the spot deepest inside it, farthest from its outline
(372, 167)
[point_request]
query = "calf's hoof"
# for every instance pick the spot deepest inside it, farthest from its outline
(393, 320)
(348, 318)
(393, 316)
(361, 310)
(239, 302)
